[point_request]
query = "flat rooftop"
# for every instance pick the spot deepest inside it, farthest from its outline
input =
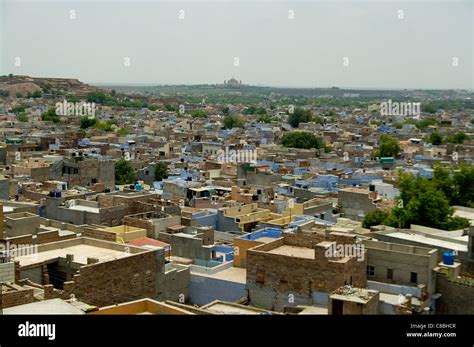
(265, 239)
(84, 208)
(233, 274)
(81, 248)
(231, 308)
(429, 241)
(294, 251)
(314, 310)
(53, 306)
(80, 252)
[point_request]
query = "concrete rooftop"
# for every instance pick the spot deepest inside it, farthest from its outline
(294, 251)
(81, 252)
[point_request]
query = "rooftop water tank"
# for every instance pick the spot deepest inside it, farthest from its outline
(448, 258)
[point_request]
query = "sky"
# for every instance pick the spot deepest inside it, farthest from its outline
(298, 43)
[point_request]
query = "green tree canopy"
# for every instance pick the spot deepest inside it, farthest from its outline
(456, 182)
(376, 217)
(198, 113)
(161, 171)
(388, 147)
(436, 138)
(265, 118)
(19, 108)
(122, 132)
(423, 202)
(233, 122)
(458, 138)
(299, 116)
(87, 122)
(124, 172)
(301, 139)
(22, 117)
(51, 116)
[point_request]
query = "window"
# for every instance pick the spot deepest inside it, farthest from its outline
(390, 274)
(370, 270)
(413, 277)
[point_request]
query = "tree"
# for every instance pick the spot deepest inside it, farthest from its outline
(388, 147)
(233, 122)
(301, 139)
(19, 108)
(458, 138)
(376, 217)
(456, 182)
(124, 172)
(436, 139)
(463, 175)
(171, 108)
(430, 208)
(425, 123)
(22, 117)
(87, 122)
(35, 94)
(250, 110)
(51, 116)
(105, 126)
(198, 113)
(226, 110)
(97, 97)
(161, 171)
(299, 116)
(122, 132)
(429, 108)
(265, 118)
(423, 202)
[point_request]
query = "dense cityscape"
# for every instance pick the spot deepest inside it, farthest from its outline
(235, 199)
(259, 164)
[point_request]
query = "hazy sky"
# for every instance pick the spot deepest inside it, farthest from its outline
(268, 47)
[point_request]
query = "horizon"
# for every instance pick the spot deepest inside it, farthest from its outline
(352, 45)
(107, 84)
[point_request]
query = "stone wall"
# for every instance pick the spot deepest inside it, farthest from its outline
(273, 278)
(456, 297)
(7, 272)
(140, 223)
(14, 295)
(134, 277)
(99, 234)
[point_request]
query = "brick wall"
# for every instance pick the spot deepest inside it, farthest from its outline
(24, 239)
(99, 234)
(112, 216)
(47, 236)
(140, 223)
(16, 296)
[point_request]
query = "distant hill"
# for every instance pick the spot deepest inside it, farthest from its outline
(26, 84)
